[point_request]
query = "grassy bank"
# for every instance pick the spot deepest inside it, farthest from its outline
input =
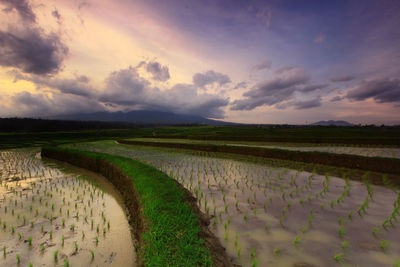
(167, 223)
(376, 164)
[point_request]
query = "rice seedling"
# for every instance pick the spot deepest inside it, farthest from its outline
(277, 251)
(344, 245)
(350, 215)
(91, 255)
(252, 253)
(375, 231)
(384, 244)
(29, 240)
(296, 240)
(18, 258)
(341, 231)
(254, 263)
(66, 263)
(339, 257)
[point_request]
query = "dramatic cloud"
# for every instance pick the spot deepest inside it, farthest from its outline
(277, 89)
(78, 86)
(28, 104)
(308, 103)
(337, 98)
(128, 89)
(313, 87)
(32, 51)
(27, 47)
(210, 77)
(159, 72)
(266, 64)
(342, 79)
(22, 7)
(381, 90)
(242, 84)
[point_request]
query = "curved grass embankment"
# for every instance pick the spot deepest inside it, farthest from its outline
(375, 164)
(167, 224)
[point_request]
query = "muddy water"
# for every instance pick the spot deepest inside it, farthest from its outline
(53, 215)
(269, 216)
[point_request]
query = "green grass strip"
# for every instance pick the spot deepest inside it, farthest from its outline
(171, 230)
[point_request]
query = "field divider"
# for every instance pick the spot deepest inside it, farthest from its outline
(375, 164)
(168, 226)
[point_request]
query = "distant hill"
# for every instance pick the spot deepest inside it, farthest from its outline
(332, 123)
(142, 117)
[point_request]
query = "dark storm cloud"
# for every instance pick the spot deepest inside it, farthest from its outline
(279, 90)
(308, 103)
(26, 46)
(159, 72)
(337, 98)
(32, 51)
(22, 7)
(381, 90)
(26, 103)
(313, 87)
(210, 77)
(128, 89)
(78, 86)
(342, 79)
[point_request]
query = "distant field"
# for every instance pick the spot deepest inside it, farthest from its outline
(354, 136)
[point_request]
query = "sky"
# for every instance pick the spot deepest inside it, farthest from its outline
(287, 61)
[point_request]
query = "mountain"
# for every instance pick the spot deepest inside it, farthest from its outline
(332, 123)
(142, 117)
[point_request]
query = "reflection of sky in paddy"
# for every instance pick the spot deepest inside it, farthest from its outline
(51, 198)
(269, 198)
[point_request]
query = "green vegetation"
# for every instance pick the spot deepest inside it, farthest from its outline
(317, 135)
(171, 235)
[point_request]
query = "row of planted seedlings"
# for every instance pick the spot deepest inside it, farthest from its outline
(270, 216)
(338, 149)
(52, 216)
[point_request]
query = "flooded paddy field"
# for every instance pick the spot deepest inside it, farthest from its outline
(57, 215)
(272, 216)
(386, 152)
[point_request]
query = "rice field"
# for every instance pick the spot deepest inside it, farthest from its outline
(270, 216)
(51, 215)
(386, 152)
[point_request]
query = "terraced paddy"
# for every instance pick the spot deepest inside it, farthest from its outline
(372, 151)
(271, 216)
(56, 215)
